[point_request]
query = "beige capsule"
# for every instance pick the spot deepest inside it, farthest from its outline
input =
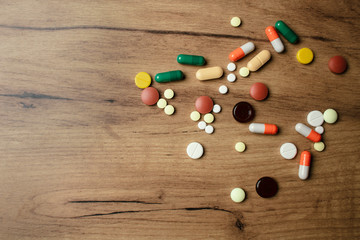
(259, 60)
(209, 73)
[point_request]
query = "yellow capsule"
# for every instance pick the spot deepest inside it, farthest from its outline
(209, 73)
(259, 60)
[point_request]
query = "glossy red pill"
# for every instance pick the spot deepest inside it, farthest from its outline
(337, 64)
(259, 91)
(149, 96)
(204, 104)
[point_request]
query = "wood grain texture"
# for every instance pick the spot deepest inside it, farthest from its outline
(83, 158)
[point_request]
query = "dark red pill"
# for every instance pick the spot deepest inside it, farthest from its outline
(149, 96)
(204, 104)
(266, 187)
(243, 112)
(337, 64)
(259, 91)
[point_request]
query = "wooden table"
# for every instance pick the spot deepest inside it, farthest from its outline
(83, 158)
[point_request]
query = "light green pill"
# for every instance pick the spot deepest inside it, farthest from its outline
(237, 195)
(161, 103)
(169, 94)
(319, 146)
(209, 118)
(244, 72)
(169, 76)
(169, 110)
(235, 21)
(240, 147)
(330, 116)
(195, 116)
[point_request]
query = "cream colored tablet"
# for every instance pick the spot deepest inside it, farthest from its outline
(169, 110)
(209, 73)
(259, 60)
(330, 116)
(235, 22)
(244, 72)
(169, 94)
(240, 146)
(161, 103)
(209, 118)
(195, 116)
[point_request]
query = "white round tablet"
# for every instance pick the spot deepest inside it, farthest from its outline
(202, 125)
(315, 118)
(237, 195)
(209, 129)
(217, 108)
(231, 77)
(288, 150)
(231, 67)
(319, 129)
(223, 89)
(195, 150)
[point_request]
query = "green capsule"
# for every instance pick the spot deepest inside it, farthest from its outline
(286, 31)
(191, 59)
(169, 76)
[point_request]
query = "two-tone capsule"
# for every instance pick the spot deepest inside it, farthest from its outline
(169, 76)
(259, 60)
(263, 128)
(286, 31)
(307, 132)
(190, 59)
(304, 166)
(241, 52)
(274, 39)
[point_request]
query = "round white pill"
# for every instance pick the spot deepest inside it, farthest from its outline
(231, 67)
(288, 150)
(202, 125)
(237, 195)
(231, 77)
(195, 150)
(319, 129)
(217, 108)
(209, 129)
(315, 118)
(223, 89)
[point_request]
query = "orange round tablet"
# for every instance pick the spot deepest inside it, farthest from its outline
(204, 104)
(337, 64)
(149, 96)
(259, 91)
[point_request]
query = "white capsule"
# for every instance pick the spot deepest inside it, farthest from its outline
(263, 128)
(307, 132)
(274, 39)
(278, 45)
(304, 165)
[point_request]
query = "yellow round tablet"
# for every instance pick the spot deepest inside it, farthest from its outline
(209, 118)
(244, 72)
(240, 146)
(169, 94)
(319, 146)
(161, 103)
(305, 56)
(142, 80)
(235, 21)
(195, 116)
(169, 110)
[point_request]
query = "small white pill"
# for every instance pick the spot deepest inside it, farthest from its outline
(223, 89)
(319, 129)
(231, 67)
(288, 150)
(195, 150)
(209, 129)
(315, 118)
(202, 125)
(231, 77)
(217, 108)
(237, 195)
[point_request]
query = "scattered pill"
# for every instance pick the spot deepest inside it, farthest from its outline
(142, 80)
(195, 150)
(223, 89)
(274, 39)
(217, 108)
(169, 76)
(231, 77)
(305, 56)
(330, 116)
(169, 94)
(231, 67)
(235, 21)
(286, 32)
(237, 195)
(337, 64)
(209, 118)
(169, 110)
(259, 91)
(244, 72)
(315, 118)
(307, 132)
(263, 128)
(161, 103)
(202, 125)
(195, 116)
(288, 150)
(319, 129)
(243, 112)
(209, 129)
(191, 59)
(319, 146)
(204, 104)
(209, 73)
(241, 52)
(149, 96)
(304, 165)
(259, 60)
(266, 187)
(240, 146)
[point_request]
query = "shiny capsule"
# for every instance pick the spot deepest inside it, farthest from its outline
(263, 128)
(209, 73)
(286, 31)
(307, 132)
(191, 59)
(259, 60)
(241, 52)
(274, 39)
(169, 76)
(304, 165)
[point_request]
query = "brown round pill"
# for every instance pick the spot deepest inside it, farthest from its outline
(337, 64)
(243, 112)
(149, 96)
(259, 91)
(204, 104)
(266, 187)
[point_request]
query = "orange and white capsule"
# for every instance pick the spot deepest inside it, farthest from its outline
(307, 132)
(274, 39)
(304, 166)
(241, 51)
(263, 128)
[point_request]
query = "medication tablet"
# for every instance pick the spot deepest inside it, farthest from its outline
(231, 67)
(217, 108)
(259, 60)
(223, 89)
(259, 91)
(319, 146)
(337, 64)
(288, 150)
(209, 118)
(266, 187)
(243, 112)
(209, 129)
(142, 80)
(169, 110)
(168, 94)
(161, 103)
(235, 21)
(195, 116)
(237, 195)
(195, 150)
(330, 116)
(315, 118)
(149, 96)
(305, 56)
(240, 146)
(244, 72)
(202, 125)
(319, 129)
(209, 73)
(231, 77)
(204, 104)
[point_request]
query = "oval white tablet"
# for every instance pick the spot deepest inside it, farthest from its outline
(223, 89)
(217, 108)
(288, 150)
(209, 129)
(231, 67)
(202, 125)
(315, 118)
(231, 77)
(319, 129)
(195, 150)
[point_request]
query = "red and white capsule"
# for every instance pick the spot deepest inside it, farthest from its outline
(304, 166)
(241, 52)
(274, 39)
(307, 132)
(263, 128)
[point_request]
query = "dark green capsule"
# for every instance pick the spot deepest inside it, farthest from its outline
(191, 59)
(286, 31)
(169, 76)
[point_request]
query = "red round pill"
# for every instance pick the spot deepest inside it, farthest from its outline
(259, 91)
(204, 104)
(149, 96)
(337, 64)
